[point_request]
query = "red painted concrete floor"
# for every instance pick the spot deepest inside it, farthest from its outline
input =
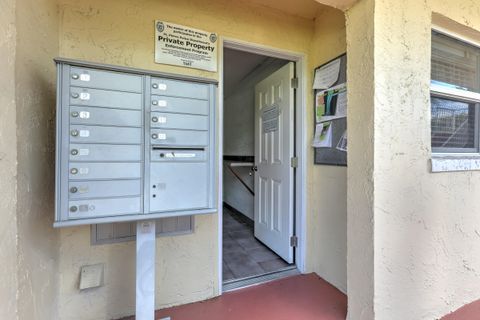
(302, 297)
(468, 312)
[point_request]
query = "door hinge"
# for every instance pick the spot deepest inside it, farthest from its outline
(293, 241)
(294, 83)
(294, 162)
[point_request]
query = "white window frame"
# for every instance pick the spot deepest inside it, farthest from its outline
(448, 159)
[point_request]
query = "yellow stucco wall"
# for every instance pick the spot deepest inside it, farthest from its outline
(8, 165)
(121, 32)
(423, 259)
(35, 79)
(327, 185)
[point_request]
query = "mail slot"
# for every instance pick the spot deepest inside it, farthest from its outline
(105, 117)
(178, 121)
(105, 98)
(102, 79)
(168, 87)
(178, 154)
(179, 105)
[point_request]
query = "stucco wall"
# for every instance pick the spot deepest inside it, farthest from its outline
(35, 77)
(426, 226)
(8, 163)
(360, 203)
(121, 32)
(327, 185)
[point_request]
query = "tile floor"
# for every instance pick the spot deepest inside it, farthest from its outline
(243, 255)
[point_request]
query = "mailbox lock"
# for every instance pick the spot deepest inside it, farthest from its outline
(74, 171)
(74, 152)
(154, 102)
(73, 189)
(154, 136)
(74, 133)
(75, 76)
(155, 86)
(154, 196)
(162, 155)
(155, 119)
(75, 95)
(73, 209)
(75, 114)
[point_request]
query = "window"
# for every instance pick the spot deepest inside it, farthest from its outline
(455, 95)
(126, 231)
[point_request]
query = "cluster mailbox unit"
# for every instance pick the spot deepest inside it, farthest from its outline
(132, 144)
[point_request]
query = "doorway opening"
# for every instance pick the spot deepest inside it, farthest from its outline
(259, 232)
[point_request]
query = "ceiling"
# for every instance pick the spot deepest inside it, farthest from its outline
(238, 65)
(307, 9)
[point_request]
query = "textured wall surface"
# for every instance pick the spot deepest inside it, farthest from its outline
(361, 113)
(427, 226)
(424, 260)
(327, 185)
(37, 44)
(8, 163)
(122, 32)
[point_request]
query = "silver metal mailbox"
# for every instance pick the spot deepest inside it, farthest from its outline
(132, 144)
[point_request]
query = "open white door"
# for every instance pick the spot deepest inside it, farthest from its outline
(274, 138)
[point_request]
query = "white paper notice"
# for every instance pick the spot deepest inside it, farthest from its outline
(342, 144)
(184, 46)
(323, 135)
(341, 110)
(327, 75)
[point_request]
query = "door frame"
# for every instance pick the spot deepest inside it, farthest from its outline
(300, 144)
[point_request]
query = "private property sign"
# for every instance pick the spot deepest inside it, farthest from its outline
(183, 46)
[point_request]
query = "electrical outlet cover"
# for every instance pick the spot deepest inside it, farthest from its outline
(91, 276)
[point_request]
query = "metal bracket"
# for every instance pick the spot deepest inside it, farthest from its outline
(294, 83)
(293, 241)
(294, 162)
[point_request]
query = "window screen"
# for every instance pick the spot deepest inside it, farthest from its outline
(126, 231)
(456, 66)
(455, 62)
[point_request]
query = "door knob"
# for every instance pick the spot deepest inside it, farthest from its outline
(255, 168)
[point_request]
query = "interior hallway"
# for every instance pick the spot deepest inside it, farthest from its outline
(243, 255)
(301, 297)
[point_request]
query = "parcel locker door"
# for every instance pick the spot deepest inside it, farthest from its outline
(178, 186)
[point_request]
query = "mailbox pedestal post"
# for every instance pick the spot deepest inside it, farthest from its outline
(145, 271)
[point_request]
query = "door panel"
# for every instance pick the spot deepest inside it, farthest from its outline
(274, 138)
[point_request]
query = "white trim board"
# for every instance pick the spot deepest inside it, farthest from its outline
(300, 144)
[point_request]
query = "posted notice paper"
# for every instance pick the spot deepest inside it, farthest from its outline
(323, 135)
(184, 46)
(326, 76)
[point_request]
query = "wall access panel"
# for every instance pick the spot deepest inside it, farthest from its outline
(132, 144)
